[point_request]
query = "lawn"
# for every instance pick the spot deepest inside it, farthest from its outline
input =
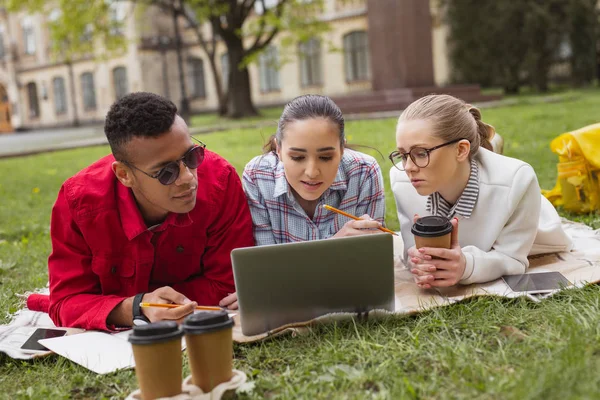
(483, 348)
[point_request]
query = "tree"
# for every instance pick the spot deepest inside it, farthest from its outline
(236, 23)
(489, 51)
(583, 35)
(246, 33)
(545, 30)
(508, 43)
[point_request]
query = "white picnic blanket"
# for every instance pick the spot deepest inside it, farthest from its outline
(580, 266)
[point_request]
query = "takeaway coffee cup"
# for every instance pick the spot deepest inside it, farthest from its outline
(157, 353)
(209, 340)
(432, 231)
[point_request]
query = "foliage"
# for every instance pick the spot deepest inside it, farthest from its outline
(583, 36)
(85, 27)
(79, 28)
(511, 43)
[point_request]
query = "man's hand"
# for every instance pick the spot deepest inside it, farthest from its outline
(122, 315)
(364, 226)
(445, 270)
(230, 302)
(167, 295)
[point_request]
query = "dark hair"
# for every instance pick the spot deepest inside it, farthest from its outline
(138, 114)
(307, 107)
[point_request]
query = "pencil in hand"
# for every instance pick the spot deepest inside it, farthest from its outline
(345, 214)
(205, 308)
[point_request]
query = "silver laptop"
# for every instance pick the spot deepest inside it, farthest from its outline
(296, 282)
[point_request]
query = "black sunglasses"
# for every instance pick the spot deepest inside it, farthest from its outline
(418, 155)
(170, 172)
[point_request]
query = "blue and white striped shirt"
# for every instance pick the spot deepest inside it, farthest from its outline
(465, 204)
(277, 218)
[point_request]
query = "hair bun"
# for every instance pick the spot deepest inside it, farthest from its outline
(486, 131)
(474, 111)
(491, 131)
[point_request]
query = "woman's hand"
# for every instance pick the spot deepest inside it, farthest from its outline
(444, 270)
(364, 226)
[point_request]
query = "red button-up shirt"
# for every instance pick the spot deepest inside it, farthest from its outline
(103, 252)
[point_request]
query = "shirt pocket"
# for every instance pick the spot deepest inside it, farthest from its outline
(180, 261)
(115, 274)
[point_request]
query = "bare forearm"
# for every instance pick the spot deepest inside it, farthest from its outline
(122, 314)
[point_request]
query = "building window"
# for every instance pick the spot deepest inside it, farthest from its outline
(120, 82)
(60, 95)
(88, 90)
(28, 35)
(2, 50)
(267, 66)
(310, 62)
(356, 56)
(225, 70)
(261, 6)
(196, 73)
(88, 33)
(34, 105)
(118, 14)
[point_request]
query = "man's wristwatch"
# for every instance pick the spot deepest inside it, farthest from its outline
(138, 317)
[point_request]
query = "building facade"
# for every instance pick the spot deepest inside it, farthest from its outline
(39, 90)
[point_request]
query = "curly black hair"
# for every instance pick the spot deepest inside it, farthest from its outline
(140, 114)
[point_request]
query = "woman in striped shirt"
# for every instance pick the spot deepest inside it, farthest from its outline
(306, 166)
(444, 166)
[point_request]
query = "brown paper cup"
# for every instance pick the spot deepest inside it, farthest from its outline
(211, 358)
(432, 231)
(158, 359)
(442, 242)
(210, 348)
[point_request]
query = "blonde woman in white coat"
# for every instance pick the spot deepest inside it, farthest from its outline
(443, 165)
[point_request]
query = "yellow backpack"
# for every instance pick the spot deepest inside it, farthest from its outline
(577, 188)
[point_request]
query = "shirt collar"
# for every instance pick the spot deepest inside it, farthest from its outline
(131, 217)
(437, 205)
(282, 186)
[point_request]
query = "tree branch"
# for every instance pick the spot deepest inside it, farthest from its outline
(257, 45)
(263, 22)
(191, 18)
(247, 6)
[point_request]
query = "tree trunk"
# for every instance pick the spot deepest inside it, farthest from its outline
(239, 105)
(511, 79)
(540, 78)
(221, 97)
(184, 110)
(73, 101)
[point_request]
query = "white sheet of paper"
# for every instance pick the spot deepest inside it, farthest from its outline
(100, 352)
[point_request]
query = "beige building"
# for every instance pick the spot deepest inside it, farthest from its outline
(38, 90)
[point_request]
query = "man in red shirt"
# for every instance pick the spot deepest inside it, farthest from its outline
(154, 222)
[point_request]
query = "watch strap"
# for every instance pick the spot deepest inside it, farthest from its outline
(137, 310)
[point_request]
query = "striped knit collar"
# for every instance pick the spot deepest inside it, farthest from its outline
(437, 205)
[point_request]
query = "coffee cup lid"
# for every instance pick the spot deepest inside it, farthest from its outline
(156, 332)
(431, 226)
(207, 321)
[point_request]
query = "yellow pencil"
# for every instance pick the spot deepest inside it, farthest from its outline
(345, 214)
(206, 308)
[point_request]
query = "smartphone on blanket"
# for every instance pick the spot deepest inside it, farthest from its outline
(32, 345)
(540, 282)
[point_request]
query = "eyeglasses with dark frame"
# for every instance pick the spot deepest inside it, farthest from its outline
(418, 155)
(170, 172)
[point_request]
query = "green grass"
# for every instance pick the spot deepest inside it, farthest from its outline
(484, 348)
